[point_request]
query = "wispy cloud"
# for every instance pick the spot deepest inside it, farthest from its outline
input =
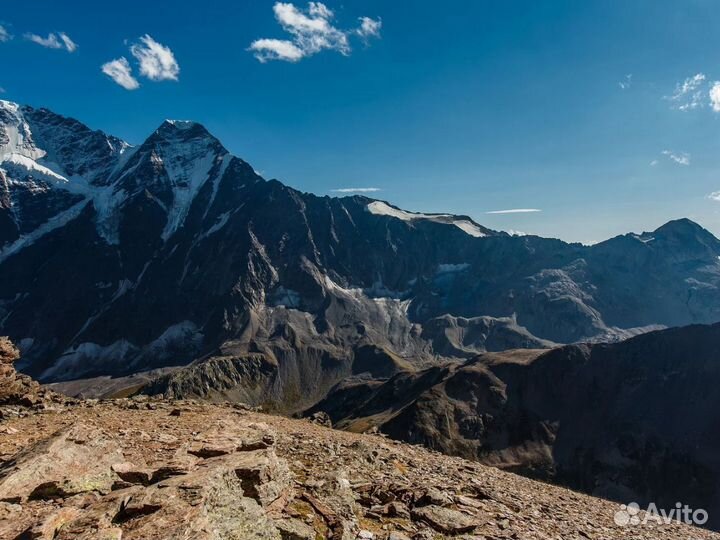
(714, 95)
(157, 61)
(2, 90)
(5, 34)
(689, 94)
(714, 196)
(681, 158)
(119, 70)
(53, 41)
(626, 82)
(654, 162)
(369, 28)
(356, 190)
(276, 49)
(515, 211)
(311, 30)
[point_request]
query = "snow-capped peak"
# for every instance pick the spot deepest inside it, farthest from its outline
(181, 124)
(183, 156)
(171, 130)
(15, 134)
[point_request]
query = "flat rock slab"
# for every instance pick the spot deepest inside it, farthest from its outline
(446, 520)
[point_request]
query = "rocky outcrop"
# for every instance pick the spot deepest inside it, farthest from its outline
(140, 468)
(18, 392)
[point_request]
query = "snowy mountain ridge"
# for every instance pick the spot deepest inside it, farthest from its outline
(116, 259)
(40, 151)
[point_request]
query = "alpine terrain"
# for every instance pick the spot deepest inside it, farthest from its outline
(172, 269)
(147, 468)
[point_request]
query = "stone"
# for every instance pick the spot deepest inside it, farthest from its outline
(321, 418)
(398, 510)
(445, 520)
(434, 496)
(205, 451)
(262, 475)
(294, 529)
(131, 474)
(168, 471)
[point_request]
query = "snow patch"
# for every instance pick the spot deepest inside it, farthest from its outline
(380, 208)
(181, 341)
(379, 290)
(644, 239)
(30, 166)
(470, 228)
(85, 357)
(187, 177)
(106, 201)
(183, 336)
(220, 222)
(53, 223)
(286, 298)
(15, 134)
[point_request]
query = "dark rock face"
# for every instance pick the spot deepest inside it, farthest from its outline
(633, 421)
(117, 259)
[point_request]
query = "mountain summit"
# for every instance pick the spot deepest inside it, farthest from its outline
(116, 259)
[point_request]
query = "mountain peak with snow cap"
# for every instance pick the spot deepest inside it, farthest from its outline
(15, 133)
(173, 131)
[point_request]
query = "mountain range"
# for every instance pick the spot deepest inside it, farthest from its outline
(117, 259)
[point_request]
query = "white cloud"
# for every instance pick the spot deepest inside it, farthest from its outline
(515, 211)
(312, 31)
(356, 190)
(626, 82)
(69, 44)
(681, 158)
(54, 41)
(276, 49)
(714, 196)
(5, 34)
(119, 70)
(318, 9)
(715, 96)
(689, 94)
(157, 62)
(654, 162)
(369, 27)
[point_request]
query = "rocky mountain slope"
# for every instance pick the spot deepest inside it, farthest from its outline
(146, 468)
(634, 420)
(19, 391)
(117, 259)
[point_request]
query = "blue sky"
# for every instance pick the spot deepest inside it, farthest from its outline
(598, 114)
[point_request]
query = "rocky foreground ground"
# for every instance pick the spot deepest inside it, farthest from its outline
(147, 469)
